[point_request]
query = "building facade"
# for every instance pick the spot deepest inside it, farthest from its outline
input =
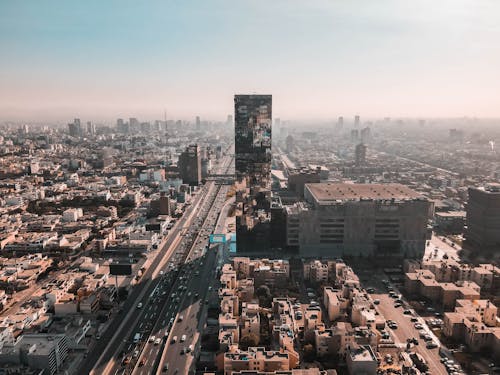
(359, 219)
(483, 219)
(190, 165)
(253, 121)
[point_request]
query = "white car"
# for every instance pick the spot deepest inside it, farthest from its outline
(152, 338)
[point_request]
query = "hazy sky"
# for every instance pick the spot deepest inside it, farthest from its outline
(320, 59)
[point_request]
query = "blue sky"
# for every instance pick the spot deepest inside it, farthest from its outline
(320, 59)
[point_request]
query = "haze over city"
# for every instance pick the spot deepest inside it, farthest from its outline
(222, 187)
(320, 59)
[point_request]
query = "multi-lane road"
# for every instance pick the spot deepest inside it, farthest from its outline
(178, 356)
(152, 305)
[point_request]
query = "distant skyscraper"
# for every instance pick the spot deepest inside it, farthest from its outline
(354, 135)
(74, 128)
(122, 126)
(133, 124)
(360, 155)
(90, 128)
(253, 121)
(198, 123)
(190, 165)
(356, 121)
(229, 120)
(365, 135)
(340, 123)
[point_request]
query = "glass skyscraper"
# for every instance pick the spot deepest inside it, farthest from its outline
(253, 120)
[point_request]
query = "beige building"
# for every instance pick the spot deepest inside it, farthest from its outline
(256, 359)
(423, 283)
(475, 324)
(361, 360)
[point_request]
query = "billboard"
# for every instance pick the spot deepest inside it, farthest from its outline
(217, 238)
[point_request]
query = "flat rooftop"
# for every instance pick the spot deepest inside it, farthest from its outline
(326, 192)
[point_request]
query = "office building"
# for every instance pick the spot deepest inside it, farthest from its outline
(358, 219)
(122, 126)
(253, 119)
(340, 123)
(365, 135)
(356, 121)
(190, 165)
(360, 154)
(198, 123)
(74, 128)
(483, 219)
(90, 128)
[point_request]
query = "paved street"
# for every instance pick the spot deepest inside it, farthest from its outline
(116, 352)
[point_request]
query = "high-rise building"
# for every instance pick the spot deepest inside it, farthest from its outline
(133, 124)
(360, 155)
(74, 128)
(483, 219)
(365, 135)
(354, 135)
(229, 120)
(190, 165)
(340, 123)
(356, 121)
(198, 123)
(90, 128)
(253, 122)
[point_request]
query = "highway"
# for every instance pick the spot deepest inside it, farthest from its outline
(111, 354)
(175, 359)
(179, 314)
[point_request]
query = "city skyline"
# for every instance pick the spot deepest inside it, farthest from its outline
(318, 59)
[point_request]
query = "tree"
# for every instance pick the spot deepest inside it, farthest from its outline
(249, 340)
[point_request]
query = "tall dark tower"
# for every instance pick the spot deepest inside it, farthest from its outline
(253, 121)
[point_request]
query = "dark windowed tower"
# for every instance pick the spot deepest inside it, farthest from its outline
(190, 165)
(253, 119)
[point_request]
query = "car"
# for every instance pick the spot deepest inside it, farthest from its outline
(98, 336)
(407, 312)
(183, 338)
(152, 338)
(376, 302)
(431, 345)
(181, 318)
(418, 326)
(174, 340)
(165, 367)
(139, 305)
(136, 354)
(397, 304)
(414, 319)
(157, 341)
(427, 337)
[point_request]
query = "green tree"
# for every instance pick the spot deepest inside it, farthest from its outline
(249, 340)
